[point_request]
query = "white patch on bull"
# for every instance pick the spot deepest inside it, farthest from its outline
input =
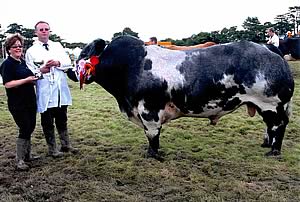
(197, 53)
(170, 112)
(210, 109)
(134, 119)
(152, 126)
(256, 95)
(228, 81)
(274, 140)
(141, 107)
(266, 134)
(274, 128)
(165, 65)
(288, 107)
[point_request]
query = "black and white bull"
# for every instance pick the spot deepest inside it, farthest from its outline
(290, 46)
(153, 85)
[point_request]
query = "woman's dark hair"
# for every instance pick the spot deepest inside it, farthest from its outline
(11, 40)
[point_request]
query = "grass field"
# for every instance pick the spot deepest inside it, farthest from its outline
(202, 163)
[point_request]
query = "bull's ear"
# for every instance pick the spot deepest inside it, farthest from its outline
(99, 46)
(94, 48)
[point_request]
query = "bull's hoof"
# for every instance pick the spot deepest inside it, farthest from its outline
(265, 144)
(154, 154)
(274, 152)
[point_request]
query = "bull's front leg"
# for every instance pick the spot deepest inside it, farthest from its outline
(268, 137)
(153, 140)
(152, 127)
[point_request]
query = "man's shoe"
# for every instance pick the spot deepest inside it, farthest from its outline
(69, 149)
(55, 154)
(22, 166)
(32, 158)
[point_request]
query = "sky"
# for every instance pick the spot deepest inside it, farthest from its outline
(86, 20)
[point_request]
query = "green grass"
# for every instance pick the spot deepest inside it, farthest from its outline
(202, 162)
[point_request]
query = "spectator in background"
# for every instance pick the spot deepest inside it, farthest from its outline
(19, 84)
(153, 41)
(53, 94)
(273, 38)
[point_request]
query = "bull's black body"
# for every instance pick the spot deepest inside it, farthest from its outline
(153, 85)
(290, 46)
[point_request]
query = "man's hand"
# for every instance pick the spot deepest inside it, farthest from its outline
(45, 69)
(52, 63)
(48, 65)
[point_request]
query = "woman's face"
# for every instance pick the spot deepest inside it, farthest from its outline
(16, 50)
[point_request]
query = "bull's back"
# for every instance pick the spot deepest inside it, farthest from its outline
(223, 77)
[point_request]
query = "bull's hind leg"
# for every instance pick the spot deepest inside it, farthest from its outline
(276, 124)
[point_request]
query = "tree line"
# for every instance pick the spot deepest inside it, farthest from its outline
(253, 30)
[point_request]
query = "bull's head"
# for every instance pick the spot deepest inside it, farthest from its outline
(86, 70)
(86, 62)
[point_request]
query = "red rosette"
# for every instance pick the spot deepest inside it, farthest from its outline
(94, 60)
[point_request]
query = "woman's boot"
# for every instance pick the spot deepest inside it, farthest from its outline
(29, 156)
(20, 155)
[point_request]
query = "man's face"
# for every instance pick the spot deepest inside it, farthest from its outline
(270, 33)
(42, 31)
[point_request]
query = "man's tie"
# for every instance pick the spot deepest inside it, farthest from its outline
(46, 46)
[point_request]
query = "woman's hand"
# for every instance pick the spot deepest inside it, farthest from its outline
(16, 83)
(31, 79)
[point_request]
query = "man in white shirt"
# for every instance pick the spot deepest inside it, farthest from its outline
(53, 94)
(274, 39)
